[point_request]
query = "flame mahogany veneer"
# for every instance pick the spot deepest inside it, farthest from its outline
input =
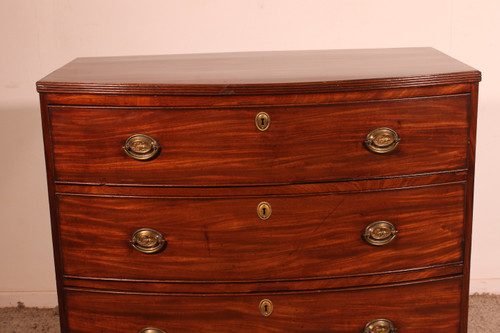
(306, 261)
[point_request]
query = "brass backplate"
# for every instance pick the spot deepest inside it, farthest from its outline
(148, 241)
(141, 147)
(379, 233)
(382, 140)
(151, 330)
(380, 326)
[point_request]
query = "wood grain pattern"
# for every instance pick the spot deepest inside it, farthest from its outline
(471, 158)
(212, 287)
(56, 248)
(312, 98)
(422, 180)
(215, 167)
(223, 147)
(431, 307)
(224, 240)
(260, 72)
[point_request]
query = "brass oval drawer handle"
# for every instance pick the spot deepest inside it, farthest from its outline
(380, 325)
(382, 140)
(266, 307)
(148, 241)
(151, 330)
(379, 233)
(141, 147)
(262, 121)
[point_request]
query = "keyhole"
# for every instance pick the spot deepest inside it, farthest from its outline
(266, 307)
(262, 121)
(264, 210)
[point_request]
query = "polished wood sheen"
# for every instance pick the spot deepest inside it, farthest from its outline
(214, 166)
(254, 72)
(213, 287)
(224, 240)
(303, 144)
(432, 307)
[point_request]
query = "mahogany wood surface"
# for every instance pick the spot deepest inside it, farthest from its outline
(223, 146)
(201, 192)
(312, 98)
(431, 307)
(49, 167)
(256, 190)
(224, 239)
(256, 72)
(471, 158)
(224, 287)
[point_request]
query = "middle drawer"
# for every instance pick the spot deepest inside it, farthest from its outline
(296, 237)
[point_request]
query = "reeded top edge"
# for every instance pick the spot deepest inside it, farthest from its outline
(272, 72)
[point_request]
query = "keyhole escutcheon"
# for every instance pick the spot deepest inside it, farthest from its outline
(262, 121)
(264, 210)
(266, 307)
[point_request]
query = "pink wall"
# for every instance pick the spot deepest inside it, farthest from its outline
(37, 36)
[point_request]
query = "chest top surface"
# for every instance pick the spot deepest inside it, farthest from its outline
(260, 72)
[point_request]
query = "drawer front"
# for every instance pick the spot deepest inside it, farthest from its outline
(423, 307)
(224, 239)
(224, 146)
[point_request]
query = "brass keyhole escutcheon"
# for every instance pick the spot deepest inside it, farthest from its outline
(264, 210)
(266, 307)
(262, 121)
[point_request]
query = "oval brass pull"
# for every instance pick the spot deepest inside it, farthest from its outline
(266, 307)
(381, 325)
(262, 121)
(151, 330)
(147, 241)
(141, 147)
(379, 233)
(382, 140)
(264, 210)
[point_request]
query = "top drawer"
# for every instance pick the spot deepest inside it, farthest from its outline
(223, 146)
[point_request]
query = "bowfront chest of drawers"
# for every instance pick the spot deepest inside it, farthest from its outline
(311, 191)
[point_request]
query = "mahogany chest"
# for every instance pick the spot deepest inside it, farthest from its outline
(307, 191)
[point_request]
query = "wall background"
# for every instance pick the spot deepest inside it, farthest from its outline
(38, 36)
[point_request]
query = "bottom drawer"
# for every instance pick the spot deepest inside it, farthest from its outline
(431, 306)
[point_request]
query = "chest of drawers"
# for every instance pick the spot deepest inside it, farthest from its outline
(311, 191)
